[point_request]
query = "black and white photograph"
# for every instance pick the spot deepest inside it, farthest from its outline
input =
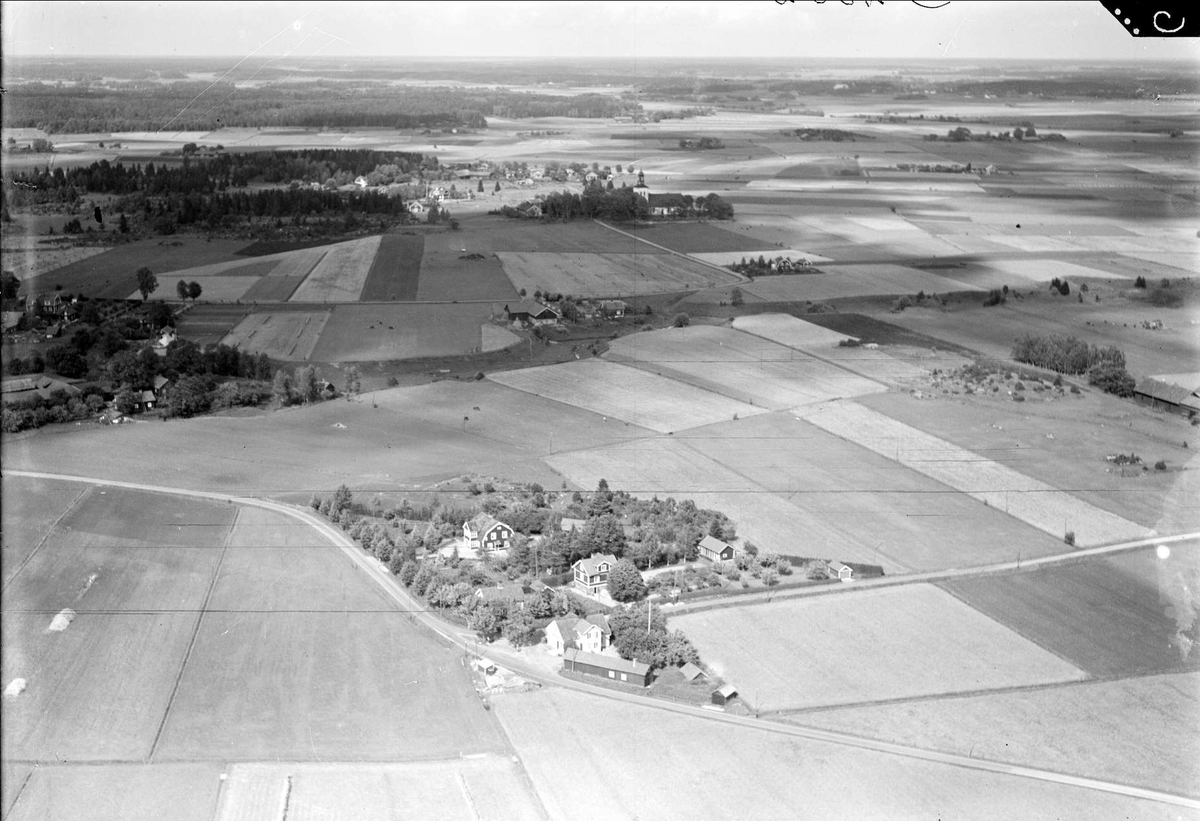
(551, 411)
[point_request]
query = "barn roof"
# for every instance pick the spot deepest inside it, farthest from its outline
(690, 671)
(714, 544)
(616, 663)
(1163, 391)
(534, 309)
(727, 691)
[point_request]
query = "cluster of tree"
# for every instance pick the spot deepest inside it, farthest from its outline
(963, 134)
(61, 406)
(934, 168)
(303, 386)
(834, 135)
(641, 633)
(1065, 354)
(779, 266)
(677, 114)
(1061, 286)
(702, 144)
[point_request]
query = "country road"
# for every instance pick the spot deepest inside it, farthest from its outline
(464, 639)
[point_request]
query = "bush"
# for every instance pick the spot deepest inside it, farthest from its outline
(1069, 538)
(1160, 465)
(1140, 282)
(994, 297)
(1112, 379)
(681, 321)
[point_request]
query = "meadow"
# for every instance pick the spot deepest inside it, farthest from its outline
(866, 646)
(288, 336)
(130, 792)
(31, 509)
(396, 270)
(873, 363)
(341, 273)
(379, 332)
(608, 275)
(452, 270)
(1147, 722)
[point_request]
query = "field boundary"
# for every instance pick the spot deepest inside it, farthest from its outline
(187, 654)
(704, 262)
(42, 541)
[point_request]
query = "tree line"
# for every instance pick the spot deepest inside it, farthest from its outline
(1065, 354)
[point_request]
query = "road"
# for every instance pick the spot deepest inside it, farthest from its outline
(466, 640)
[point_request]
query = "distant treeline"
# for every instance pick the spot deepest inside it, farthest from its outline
(617, 205)
(92, 107)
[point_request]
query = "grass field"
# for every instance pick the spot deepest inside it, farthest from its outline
(839, 281)
(1032, 501)
(813, 339)
(287, 335)
(862, 647)
(396, 270)
(303, 658)
(739, 365)
(598, 275)
(630, 394)
(448, 275)
(473, 790)
(657, 765)
(369, 333)
(858, 498)
(697, 237)
(1111, 617)
(1064, 444)
(298, 263)
(341, 273)
(33, 260)
(30, 509)
(1147, 725)
(130, 792)
(502, 234)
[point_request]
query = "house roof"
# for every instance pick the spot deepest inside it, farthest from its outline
(533, 309)
(691, 671)
(569, 524)
(161, 382)
(591, 565)
(714, 544)
(727, 690)
(838, 567)
(597, 619)
(613, 305)
(481, 523)
(607, 662)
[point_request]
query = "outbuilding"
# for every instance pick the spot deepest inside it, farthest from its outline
(612, 668)
(724, 694)
(715, 550)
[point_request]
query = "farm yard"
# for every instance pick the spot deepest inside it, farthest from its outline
(1032, 501)
(1148, 723)
(741, 366)
(626, 393)
(871, 645)
(602, 275)
(341, 273)
(1108, 616)
(285, 335)
(709, 771)
(490, 787)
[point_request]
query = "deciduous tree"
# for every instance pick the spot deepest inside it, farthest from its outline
(146, 282)
(625, 582)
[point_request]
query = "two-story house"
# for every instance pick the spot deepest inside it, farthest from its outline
(486, 534)
(591, 634)
(591, 574)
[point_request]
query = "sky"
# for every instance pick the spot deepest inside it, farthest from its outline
(1082, 31)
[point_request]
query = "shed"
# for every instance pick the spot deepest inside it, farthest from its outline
(1169, 396)
(841, 572)
(691, 672)
(724, 694)
(715, 550)
(612, 668)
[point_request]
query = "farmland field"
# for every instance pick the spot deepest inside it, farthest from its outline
(597, 275)
(298, 263)
(1064, 443)
(1147, 723)
(97, 688)
(813, 339)
(272, 289)
(396, 270)
(287, 335)
(130, 792)
(700, 770)
(626, 393)
(1030, 500)
(31, 261)
(447, 274)
(692, 238)
(208, 324)
(303, 658)
(477, 789)
(839, 281)
(214, 288)
(501, 234)
(739, 365)
(731, 257)
(341, 273)
(866, 646)
(858, 498)
(1111, 616)
(31, 508)
(369, 333)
